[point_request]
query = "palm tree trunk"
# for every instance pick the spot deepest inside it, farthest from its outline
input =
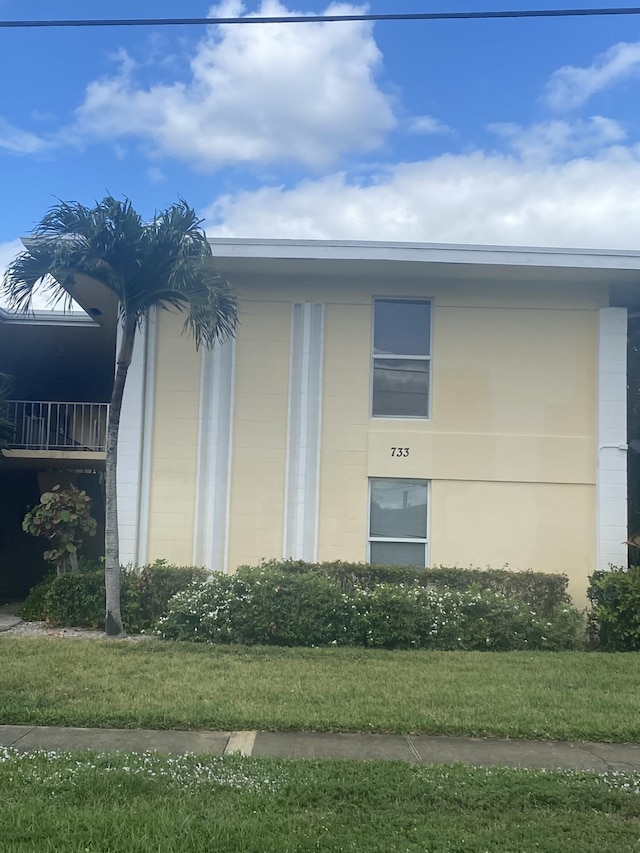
(113, 618)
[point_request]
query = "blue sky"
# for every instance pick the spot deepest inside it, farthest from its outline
(522, 132)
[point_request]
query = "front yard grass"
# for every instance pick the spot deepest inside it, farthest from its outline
(111, 803)
(564, 695)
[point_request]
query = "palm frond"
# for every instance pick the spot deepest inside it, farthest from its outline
(212, 312)
(36, 266)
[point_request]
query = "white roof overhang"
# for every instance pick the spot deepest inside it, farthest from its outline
(356, 258)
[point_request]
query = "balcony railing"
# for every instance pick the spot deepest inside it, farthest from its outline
(59, 426)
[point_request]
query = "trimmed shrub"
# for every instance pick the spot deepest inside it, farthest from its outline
(78, 599)
(272, 607)
(147, 592)
(542, 592)
(257, 606)
(614, 620)
(491, 621)
(35, 604)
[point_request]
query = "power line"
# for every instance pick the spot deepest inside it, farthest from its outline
(307, 19)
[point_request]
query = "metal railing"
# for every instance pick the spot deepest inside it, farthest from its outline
(58, 426)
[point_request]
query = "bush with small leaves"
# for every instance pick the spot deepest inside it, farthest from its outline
(614, 619)
(272, 607)
(542, 591)
(258, 606)
(78, 599)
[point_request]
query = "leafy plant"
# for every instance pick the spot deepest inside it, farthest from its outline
(542, 592)
(63, 516)
(274, 607)
(78, 600)
(614, 620)
(258, 606)
(147, 591)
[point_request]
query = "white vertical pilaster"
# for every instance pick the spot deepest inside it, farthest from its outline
(303, 438)
(213, 482)
(612, 438)
(134, 447)
(130, 450)
(150, 341)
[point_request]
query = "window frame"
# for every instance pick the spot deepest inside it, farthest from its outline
(396, 357)
(410, 539)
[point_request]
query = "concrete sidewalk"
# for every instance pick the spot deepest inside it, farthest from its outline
(417, 749)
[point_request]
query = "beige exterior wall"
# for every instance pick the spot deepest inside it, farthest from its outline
(260, 428)
(175, 442)
(510, 449)
(345, 418)
(549, 527)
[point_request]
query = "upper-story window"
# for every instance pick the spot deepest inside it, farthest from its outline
(401, 358)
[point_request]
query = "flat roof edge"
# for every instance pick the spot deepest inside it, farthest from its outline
(451, 253)
(47, 318)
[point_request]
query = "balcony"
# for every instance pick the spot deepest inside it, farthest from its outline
(69, 432)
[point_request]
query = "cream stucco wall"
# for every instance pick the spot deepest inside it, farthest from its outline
(510, 449)
(345, 415)
(175, 439)
(260, 428)
(545, 526)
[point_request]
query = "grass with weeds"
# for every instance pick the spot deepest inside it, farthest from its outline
(99, 803)
(569, 696)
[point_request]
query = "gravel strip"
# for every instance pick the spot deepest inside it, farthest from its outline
(41, 629)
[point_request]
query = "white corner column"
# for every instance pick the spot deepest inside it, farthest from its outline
(303, 435)
(134, 446)
(612, 439)
(213, 482)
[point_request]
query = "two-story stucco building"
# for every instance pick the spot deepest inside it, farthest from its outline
(399, 403)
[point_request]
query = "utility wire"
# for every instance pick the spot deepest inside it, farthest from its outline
(306, 19)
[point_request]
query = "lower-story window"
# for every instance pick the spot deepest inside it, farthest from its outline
(398, 522)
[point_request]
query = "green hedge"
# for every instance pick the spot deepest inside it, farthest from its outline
(267, 605)
(614, 620)
(542, 592)
(78, 599)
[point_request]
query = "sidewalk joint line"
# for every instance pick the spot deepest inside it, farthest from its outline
(23, 735)
(413, 749)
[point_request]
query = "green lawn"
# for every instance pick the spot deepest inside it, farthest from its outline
(109, 804)
(569, 696)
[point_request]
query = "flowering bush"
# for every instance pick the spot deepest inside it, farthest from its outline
(268, 606)
(257, 606)
(544, 592)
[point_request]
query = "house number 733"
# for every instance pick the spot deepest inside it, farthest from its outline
(399, 451)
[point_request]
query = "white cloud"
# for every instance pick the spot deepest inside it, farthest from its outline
(17, 141)
(256, 94)
(554, 140)
(8, 251)
(571, 87)
(156, 175)
(470, 198)
(427, 124)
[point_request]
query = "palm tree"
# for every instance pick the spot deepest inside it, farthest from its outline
(165, 263)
